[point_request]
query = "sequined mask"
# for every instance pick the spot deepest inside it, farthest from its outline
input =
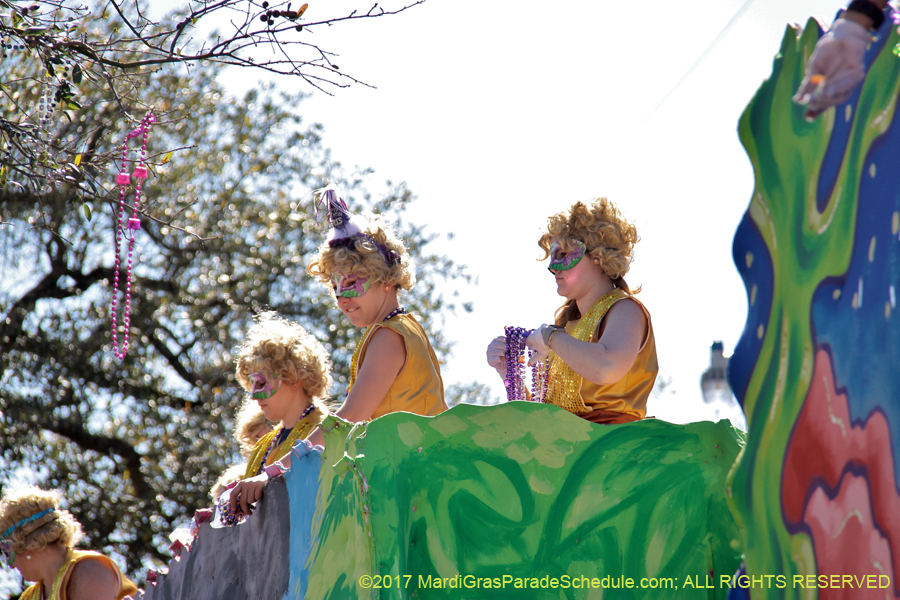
(262, 386)
(350, 286)
(560, 260)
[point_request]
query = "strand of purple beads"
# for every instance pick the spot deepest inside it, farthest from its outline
(515, 367)
(515, 350)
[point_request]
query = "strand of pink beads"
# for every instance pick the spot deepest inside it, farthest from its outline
(123, 179)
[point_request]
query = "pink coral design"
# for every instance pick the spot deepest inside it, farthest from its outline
(839, 484)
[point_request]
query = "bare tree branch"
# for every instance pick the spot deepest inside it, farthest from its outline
(75, 64)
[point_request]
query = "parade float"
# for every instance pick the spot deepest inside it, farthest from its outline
(525, 500)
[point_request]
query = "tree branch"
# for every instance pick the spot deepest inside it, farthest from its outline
(106, 445)
(172, 359)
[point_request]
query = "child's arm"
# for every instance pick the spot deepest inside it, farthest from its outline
(610, 359)
(385, 357)
(92, 579)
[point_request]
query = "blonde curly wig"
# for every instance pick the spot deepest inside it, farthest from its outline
(607, 236)
(249, 426)
(364, 259)
(601, 228)
(228, 476)
(284, 349)
(57, 526)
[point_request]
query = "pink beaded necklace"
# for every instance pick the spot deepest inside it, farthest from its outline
(129, 230)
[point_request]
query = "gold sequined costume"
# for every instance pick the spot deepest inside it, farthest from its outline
(73, 557)
(418, 387)
(628, 396)
(258, 458)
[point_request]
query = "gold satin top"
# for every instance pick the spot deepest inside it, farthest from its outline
(302, 429)
(572, 392)
(418, 387)
(73, 557)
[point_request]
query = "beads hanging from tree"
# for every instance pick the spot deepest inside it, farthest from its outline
(8, 44)
(128, 230)
(45, 106)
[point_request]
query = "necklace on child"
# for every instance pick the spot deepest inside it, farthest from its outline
(354, 360)
(397, 311)
(296, 429)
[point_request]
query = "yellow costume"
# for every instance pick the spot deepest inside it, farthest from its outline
(626, 397)
(73, 557)
(261, 457)
(418, 387)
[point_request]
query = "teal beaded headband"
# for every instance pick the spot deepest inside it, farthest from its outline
(26, 520)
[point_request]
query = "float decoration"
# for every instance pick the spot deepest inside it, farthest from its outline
(816, 370)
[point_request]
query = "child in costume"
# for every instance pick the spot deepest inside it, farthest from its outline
(286, 371)
(601, 349)
(249, 427)
(394, 367)
(38, 539)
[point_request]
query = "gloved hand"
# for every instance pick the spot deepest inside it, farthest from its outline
(535, 341)
(835, 68)
(496, 354)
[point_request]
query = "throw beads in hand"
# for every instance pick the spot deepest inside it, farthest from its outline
(515, 367)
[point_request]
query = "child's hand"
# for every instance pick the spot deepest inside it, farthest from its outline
(535, 341)
(246, 492)
(835, 68)
(496, 355)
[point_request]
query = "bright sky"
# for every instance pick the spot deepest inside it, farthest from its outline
(499, 113)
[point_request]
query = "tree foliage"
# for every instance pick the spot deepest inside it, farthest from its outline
(227, 228)
(60, 56)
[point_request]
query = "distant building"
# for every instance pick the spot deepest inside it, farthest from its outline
(716, 391)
